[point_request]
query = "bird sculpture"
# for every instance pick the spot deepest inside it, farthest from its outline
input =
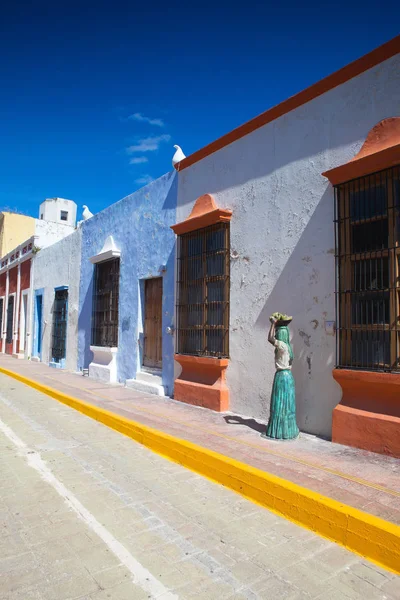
(178, 156)
(86, 214)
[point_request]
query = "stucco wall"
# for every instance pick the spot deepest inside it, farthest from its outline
(282, 236)
(57, 266)
(49, 233)
(140, 226)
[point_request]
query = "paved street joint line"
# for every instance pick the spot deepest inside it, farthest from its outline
(141, 576)
(365, 534)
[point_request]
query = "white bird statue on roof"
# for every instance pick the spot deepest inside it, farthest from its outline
(178, 156)
(86, 214)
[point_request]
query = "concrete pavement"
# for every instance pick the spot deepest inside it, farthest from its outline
(87, 513)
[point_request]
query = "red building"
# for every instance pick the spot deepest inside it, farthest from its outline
(16, 300)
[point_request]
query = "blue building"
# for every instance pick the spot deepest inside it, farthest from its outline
(126, 306)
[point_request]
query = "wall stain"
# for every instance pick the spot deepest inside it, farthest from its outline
(309, 364)
(126, 324)
(306, 259)
(315, 323)
(305, 336)
(314, 277)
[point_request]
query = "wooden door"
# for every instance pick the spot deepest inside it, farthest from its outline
(152, 355)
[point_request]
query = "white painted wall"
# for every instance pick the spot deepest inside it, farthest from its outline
(56, 266)
(48, 232)
(50, 210)
(283, 236)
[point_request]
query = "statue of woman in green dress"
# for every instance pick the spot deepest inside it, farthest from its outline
(282, 421)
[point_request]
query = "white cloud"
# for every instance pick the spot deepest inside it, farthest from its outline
(144, 180)
(139, 160)
(148, 144)
(142, 119)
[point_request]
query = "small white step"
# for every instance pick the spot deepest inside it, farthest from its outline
(154, 377)
(147, 382)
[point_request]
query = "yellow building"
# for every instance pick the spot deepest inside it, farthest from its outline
(14, 229)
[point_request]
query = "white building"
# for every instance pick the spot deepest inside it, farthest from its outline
(56, 278)
(270, 187)
(58, 210)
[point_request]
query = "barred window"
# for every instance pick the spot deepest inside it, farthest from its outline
(60, 325)
(367, 257)
(10, 320)
(105, 303)
(203, 292)
(1, 317)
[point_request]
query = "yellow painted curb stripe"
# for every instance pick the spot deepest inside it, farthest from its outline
(259, 448)
(362, 533)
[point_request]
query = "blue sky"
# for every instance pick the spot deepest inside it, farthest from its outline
(93, 96)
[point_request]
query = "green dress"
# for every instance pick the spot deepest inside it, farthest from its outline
(282, 420)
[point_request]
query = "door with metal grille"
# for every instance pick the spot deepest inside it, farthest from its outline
(152, 355)
(1, 318)
(60, 325)
(10, 323)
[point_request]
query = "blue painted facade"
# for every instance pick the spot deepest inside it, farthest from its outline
(140, 225)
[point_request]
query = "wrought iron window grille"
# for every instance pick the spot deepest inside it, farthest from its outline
(203, 292)
(10, 320)
(1, 317)
(367, 241)
(105, 303)
(60, 315)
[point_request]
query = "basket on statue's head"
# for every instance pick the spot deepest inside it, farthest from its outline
(281, 320)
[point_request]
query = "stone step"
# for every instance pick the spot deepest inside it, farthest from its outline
(147, 383)
(154, 377)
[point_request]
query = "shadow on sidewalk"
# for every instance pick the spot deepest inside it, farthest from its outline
(251, 423)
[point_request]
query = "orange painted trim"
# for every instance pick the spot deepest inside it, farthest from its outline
(355, 68)
(383, 135)
(364, 166)
(366, 430)
(202, 382)
(217, 216)
(201, 361)
(368, 390)
(380, 150)
(205, 212)
(368, 416)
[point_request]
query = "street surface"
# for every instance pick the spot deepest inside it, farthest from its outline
(87, 513)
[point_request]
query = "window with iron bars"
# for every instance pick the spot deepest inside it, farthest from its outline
(60, 325)
(367, 261)
(203, 292)
(1, 317)
(10, 320)
(105, 304)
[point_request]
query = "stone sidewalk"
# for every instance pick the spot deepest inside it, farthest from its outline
(364, 480)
